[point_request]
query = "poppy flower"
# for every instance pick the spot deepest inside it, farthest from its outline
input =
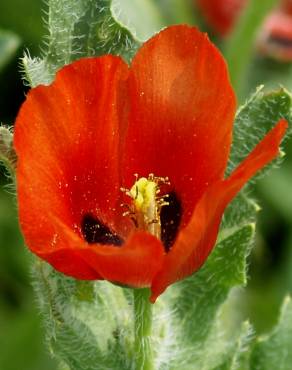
(80, 141)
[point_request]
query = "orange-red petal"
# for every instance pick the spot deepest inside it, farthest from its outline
(135, 263)
(67, 141)
(196, 241)
(182, 108)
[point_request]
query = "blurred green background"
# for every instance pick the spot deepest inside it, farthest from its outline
(21, 336)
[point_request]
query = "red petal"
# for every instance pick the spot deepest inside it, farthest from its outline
(67, 142)
(67, 261)
(196, 241)
(181, 114)
(221, 14)
(133, 264)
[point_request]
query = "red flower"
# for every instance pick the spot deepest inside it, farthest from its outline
(84, 137)
(287, 6)
(221, 15)
(275, 37)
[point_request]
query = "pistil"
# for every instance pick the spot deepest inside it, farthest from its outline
(147, 203)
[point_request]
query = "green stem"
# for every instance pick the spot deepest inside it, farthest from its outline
(143, 326)
(240, 45)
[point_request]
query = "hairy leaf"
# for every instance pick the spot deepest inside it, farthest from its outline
(239, 356)
(254, 119)
(78, 28)
(199, 298)
(274, 351)
(142, 17)
(88, 326)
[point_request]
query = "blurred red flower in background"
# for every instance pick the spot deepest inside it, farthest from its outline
(81, 139)
(275, 36)
(221, 15)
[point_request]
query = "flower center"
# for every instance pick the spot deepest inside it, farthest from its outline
(94, 231)
(155, 208)
(147, 202)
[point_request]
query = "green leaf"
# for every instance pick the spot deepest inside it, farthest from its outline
(198, 299)
(225, 268)
(79, 28)
(254, 119)
(9, 43)
(274, 351)
(142, 17)
(92, 330)
(240, 212)
(239, 355)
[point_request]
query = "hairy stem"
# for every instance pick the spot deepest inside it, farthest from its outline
(143, 326)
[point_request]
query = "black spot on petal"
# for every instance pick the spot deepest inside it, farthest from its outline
(170, 218)
(94, 231)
